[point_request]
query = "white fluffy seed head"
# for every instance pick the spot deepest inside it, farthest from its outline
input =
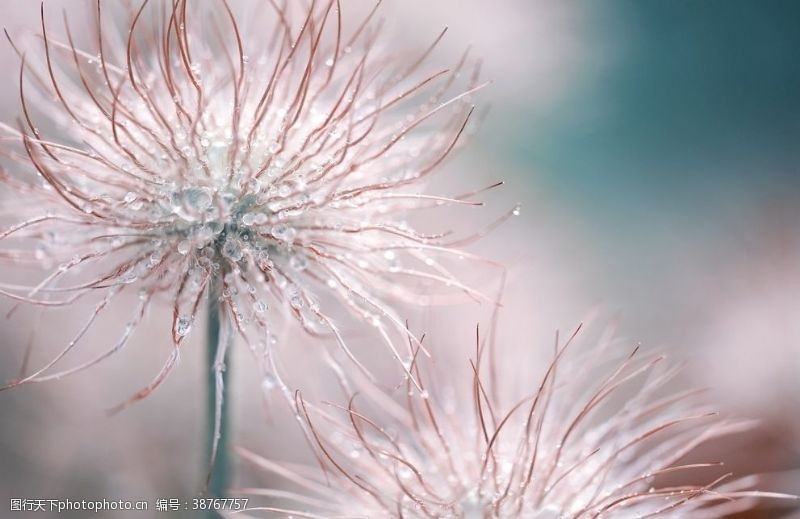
(596, 436)
(275, 155)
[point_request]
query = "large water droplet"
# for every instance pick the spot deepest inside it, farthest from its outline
(254, 185)
(192, 202)
(284, 233)
(298, 262)
(296, 300)
(233, 249)
(204, 234)
(249, 219)
(184, 247)
(183, 326)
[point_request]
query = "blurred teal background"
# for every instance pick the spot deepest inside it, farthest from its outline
(669, 88)
(677, 134)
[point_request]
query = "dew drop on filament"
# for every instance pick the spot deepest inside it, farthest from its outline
(298, 262)
(232, 249)
(183, 326)
(296, 301)
(184, 247)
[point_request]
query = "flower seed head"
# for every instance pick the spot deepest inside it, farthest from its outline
(274, 157)
(593, 437)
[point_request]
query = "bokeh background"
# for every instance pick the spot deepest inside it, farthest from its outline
(654, 146)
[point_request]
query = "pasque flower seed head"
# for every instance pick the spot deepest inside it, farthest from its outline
(270, 160)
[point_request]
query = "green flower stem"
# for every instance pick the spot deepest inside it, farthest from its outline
(219, 472)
